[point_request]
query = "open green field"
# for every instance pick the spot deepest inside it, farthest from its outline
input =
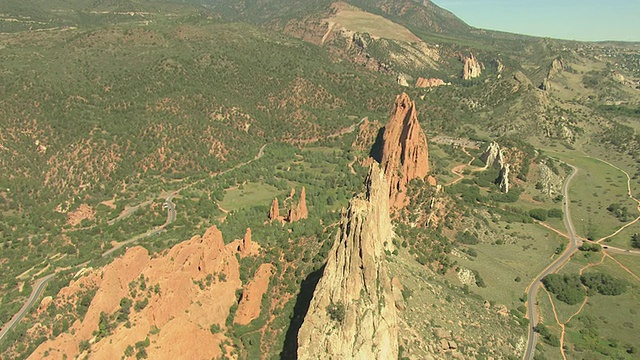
(249, 194)
(596, 186)
(500, 265)
(632, 262)
(623, 238)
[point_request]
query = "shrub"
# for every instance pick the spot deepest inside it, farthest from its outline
(538, 214)
(84, 345)
(590, 247)
(215, 328)
(555, 213)
(336, 311)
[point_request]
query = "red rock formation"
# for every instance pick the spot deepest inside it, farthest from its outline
(404, 150)
(299, 211)
(274, 212)
(246, 243)
(249, 306)
(427, 83)
(472, 68)
(183, 300)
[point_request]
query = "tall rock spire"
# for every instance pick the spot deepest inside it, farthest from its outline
(404, 155)
(352, 314)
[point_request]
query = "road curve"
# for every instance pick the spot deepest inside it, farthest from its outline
(38, 288)
(171, 217)
(39, 285)
(532, 291)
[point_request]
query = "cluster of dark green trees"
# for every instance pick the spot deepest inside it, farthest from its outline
(569, 288)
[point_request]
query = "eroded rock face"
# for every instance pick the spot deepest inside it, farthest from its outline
(352, 314)
(299, 211)
(175, 303)
(249, 306)
(367, 133)
(551, 182)
(503, 179)
(428, 83)
(493, 156)
(402, 80)
(472, 67)
(246, 247)
(404, 154)
(274, 212)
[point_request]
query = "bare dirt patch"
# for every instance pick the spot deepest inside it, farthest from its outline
(84, 211)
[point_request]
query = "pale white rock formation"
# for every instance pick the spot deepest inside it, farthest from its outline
(353, 314)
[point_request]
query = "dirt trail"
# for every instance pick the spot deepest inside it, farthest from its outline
(584, 302)
(629, 193)
(459, 169)
(350, 165)
(555, 314)
(624, 267)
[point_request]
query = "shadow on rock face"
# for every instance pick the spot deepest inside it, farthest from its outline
(308, 286)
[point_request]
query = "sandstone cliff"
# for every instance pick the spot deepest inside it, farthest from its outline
(249, 306)
(472, 67)
(352, 314)
(178, 296)
(246, 248)
(404, 154)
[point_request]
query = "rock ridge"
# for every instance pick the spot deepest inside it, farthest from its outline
(353, 314)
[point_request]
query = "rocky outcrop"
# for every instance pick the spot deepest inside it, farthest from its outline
(557, 65)
(249, 306)
(367, 133)
(299, 211)
(429, 83)
(550, 182)
(180, 296)
(402, 80)
(493, 156)
(247, 244)
(352, 314)
(274, 211)
(472, 68)
(503, 179)
(404, 155)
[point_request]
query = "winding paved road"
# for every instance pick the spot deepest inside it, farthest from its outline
(171, 217)
(532, 292)
(38, 288)
(39, 285)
